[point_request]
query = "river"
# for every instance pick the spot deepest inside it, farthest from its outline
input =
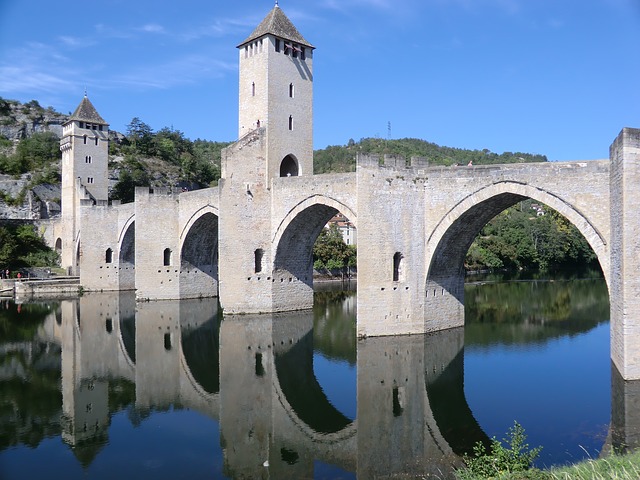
(101, 387)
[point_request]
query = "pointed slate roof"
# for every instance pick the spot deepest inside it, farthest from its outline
(277, 24)
(86, 112)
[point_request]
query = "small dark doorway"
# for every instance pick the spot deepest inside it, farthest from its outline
(289, 167)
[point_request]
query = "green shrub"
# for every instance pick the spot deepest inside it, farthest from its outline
(500, 460)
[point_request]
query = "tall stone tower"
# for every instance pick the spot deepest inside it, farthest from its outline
(276, 92)
(85, 157)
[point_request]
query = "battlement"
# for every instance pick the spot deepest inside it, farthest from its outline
(391, 161)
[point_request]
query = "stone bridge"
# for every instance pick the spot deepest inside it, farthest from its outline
(250, 239)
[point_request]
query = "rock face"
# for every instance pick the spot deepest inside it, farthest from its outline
(40, 202)
(19, 120)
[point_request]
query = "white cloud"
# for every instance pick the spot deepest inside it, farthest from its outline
(152, 28)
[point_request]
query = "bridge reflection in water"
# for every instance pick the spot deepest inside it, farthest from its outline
(255, 376)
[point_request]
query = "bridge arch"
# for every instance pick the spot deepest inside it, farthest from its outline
(450, 240)
(292, 249)
(127, 255)
(199, 254)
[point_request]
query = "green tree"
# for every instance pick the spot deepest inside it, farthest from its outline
(140, 136)
(330, 250)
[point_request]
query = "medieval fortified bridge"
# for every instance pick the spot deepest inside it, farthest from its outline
(250, 239)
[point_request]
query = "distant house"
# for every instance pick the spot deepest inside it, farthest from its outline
(347, 229)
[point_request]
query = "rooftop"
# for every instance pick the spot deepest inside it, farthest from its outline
(277, 24)
(86, 112)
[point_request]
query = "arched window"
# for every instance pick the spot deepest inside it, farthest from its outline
(258, 255)
(167, 341)
(289, 167)
(167, 257)
(108, 256)
(397, 270)
(59, 246)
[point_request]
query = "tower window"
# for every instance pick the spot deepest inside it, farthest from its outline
(87, 159)
(108, 256)
(397, 271)
(277, 44)
(96, 140)
(89, 179)
(258, 254)
(253, 89)
(167, 257)
(291, 90)
(84, 138)
(290, 122)
(302, 53)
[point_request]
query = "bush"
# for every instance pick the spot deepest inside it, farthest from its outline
(501, 460)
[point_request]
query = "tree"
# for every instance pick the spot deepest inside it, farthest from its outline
(140, 136)
(330, 251)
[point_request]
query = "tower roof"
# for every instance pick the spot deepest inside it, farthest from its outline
(277, 24)
(87, 113)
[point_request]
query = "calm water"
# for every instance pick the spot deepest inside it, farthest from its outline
(100, 387)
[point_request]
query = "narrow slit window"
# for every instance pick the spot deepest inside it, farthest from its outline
(96, 140)
(167, 341)
(277, 44)
(397, 266)
(108, 256)
(291, 90)
(84, 138)
(167, 257)
(253, 89)
(259, 365)
(290, 122)
(258, 256)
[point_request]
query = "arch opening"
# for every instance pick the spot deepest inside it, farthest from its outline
(444, 286)
(58, 246)
(294, 260)
(127, 258)
(199, 258)
(289, 167)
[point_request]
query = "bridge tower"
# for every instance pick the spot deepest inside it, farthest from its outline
(85, 158)
(276, 140)
(276, 92)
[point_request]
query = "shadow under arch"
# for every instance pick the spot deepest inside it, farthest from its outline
(199, 255)
(297, 381)
(127, 255)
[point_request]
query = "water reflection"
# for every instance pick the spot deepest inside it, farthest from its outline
(82, 369)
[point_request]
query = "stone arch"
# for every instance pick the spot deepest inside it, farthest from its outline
(289, 167)
(127, 255)
(450, 240)
(58, 246)
(199, 255)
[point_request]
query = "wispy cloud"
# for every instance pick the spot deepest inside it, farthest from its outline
(152, 28)
(183, 71)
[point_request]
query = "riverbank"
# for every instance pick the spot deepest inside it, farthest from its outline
(619, 467)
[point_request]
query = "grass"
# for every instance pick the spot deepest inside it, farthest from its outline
(614, 467)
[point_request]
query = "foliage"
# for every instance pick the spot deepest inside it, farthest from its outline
(21, 246)
(132, 175)
(330, 252)
(520, 239)
(515, 457)
(342, 158)
(36, 152)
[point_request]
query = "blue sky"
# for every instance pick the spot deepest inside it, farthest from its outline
(555, 77)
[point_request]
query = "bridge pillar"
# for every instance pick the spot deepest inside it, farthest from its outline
(625, 253)
(391, 247)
